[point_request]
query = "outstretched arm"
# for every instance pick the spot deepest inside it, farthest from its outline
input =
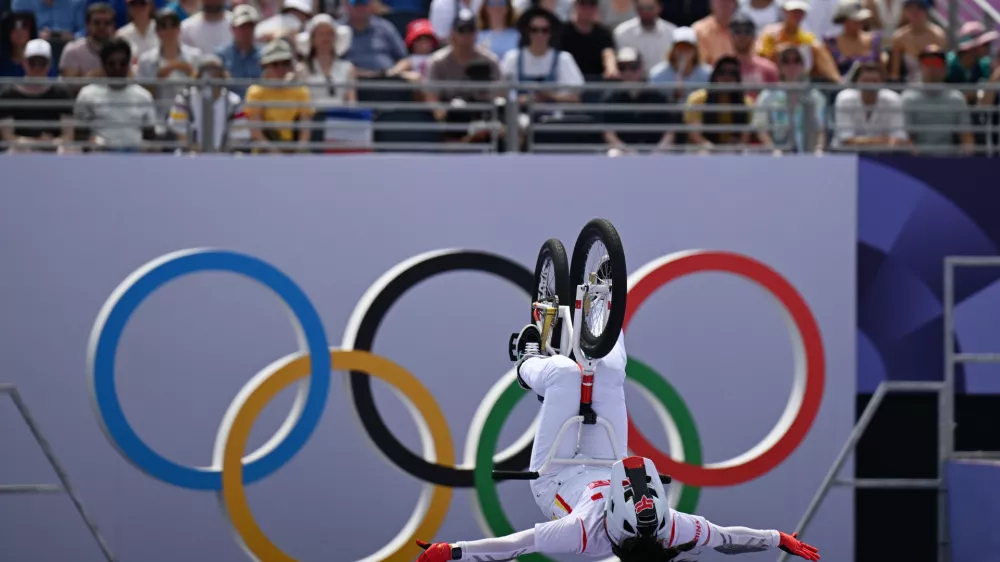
(735, 540)
(500, 548)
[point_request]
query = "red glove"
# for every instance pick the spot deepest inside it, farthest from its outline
(794, 546)
(437, 552)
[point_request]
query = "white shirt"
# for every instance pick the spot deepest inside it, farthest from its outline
(140, 43)
(276, 26)
(442, 15)
(229, 122)
(653, 45)
(852, 118)
(117, 115)
(567, 72)
(207, 36)
(319, 86)
(763, 16)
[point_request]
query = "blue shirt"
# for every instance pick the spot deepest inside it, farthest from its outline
(376, 47)
(240, 65)
(663, 73)
(499, 42)
(62, 15)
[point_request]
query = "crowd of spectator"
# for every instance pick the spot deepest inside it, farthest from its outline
(781, 75)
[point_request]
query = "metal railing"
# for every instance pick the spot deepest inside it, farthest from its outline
(504, 117)
(50, 456)
(946, 418)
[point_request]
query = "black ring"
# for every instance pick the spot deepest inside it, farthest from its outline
(360, 383)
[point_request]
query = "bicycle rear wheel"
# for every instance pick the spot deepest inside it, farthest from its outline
(599, 259)
(552, 281)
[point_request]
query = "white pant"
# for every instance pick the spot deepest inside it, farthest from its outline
(557, 379)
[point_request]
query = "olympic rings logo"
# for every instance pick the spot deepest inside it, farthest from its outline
(311, 369)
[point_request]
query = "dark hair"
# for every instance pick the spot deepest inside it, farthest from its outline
(165, 14)
(99, 8)
(7, 22)
(649, 549)
(115, 45)
(482, 18)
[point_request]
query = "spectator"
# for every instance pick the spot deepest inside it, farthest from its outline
(699, 112)
(16, 30)
(990, 104)
(909, 41)
(497, 31)
(184, 8)
(421, 41)
(376, 46)
(444, 12)
(853, 45)
(172, 62)
(276, 60)
(647, 33)
(935, 117)
(268, 8)
(121, 115)
(141, 31)
(714, 38)
(57, 20)
(755, 70)
(762, 12)
(330, 77)
(561, 8)
(783, 116)
(210, 29)
(82, 57)
(819, 62)
(616, 12)
(970, 62)
(242, 57)
(537, 61)
(187, 117)
(37, 64)
(629, 63)
(589, 42)
(869, 118)
(682, 69)
(452, 64)
(287, 24)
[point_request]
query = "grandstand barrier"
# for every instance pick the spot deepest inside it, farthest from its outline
(392, 116)
(974, 509)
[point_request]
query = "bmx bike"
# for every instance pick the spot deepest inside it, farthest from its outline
(586, 332)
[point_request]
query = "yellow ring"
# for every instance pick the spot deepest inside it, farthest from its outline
(287, 373)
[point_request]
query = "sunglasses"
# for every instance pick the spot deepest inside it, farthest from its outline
(934, 62)
(544, 30)
(742, 30)
(38, 62)
(116, 62)
(628, 67)
(102, 22)
(790, 60)
(728, 73)
(465, 29)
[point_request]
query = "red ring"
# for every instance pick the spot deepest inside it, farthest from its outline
(805, 322)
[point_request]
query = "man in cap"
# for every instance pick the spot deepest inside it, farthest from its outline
(936, 118)
(451, 63)
(754, 69)
(277, 59)
(241, 58)
(209, 30)
(376, 45)
(292, 20)
(187, 118)
(647, 32)
(443, 12)
(632, 70)
(57, 105)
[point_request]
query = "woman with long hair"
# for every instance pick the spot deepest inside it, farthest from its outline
(16, 29)
(682, 67)
(497, 27)
(330, 77)
(699, 111)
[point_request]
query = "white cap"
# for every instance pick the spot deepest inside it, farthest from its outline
(796, 5)
(38, 48)
(304, 6)
(685, 35)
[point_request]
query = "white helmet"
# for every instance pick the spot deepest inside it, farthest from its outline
(638, 506)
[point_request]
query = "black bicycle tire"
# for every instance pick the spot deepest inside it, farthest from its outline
(596, 347)
(560, 264)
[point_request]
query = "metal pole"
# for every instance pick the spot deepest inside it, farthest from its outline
(512, 124)
(953, 24)
(206, 129)
(43, 443)
(831, 475)
(946, 410)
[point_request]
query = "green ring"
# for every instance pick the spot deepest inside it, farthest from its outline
(486, 490)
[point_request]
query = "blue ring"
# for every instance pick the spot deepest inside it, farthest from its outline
(109, 408)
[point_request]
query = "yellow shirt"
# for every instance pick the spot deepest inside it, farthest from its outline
(775, 34)
(257, 109)
(693, 116)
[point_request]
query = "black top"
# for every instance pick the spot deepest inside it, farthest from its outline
(45, 113)
(637, 117)
(586, 49)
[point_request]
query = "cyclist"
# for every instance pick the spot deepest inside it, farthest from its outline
(597, 510)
